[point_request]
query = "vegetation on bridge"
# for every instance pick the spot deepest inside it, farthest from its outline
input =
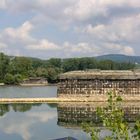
(113, 121)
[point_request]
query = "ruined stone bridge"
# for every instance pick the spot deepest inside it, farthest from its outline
(95, 84)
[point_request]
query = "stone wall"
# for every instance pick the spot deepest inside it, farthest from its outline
(91, 87)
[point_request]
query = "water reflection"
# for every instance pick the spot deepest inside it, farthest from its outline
(22, 121)
(5, 108)
(72, 115)
(33, 122)
(51, 121)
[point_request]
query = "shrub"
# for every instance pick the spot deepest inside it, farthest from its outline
(112, 118)
(18, 78)
(9, 79)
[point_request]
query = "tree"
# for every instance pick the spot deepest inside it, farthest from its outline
(54, 62)
(52, 75)
(87, 63)
(4, 63)
(106, 65)
(41, 72)
(18, 79)
(9, 79)
(70, 64)
(20, 65)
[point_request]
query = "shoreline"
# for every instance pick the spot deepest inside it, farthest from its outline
(63, 100)
(28, 85)
(2, 84)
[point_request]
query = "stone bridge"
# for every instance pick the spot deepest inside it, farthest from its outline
(97, 83)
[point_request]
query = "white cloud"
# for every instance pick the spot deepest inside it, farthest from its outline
(2, 4)
(22, 36)
(99, 22)
(84, 9)
(43, 44)
(21, 33)
(118, 3)
(69, 9)
(131, 3)
(80, 49)
(2, 45)
(120, 29)
(128, 50)
(121, 49)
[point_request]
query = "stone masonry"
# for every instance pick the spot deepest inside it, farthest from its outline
(94, 83)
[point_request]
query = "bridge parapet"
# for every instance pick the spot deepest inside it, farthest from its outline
(99, 82)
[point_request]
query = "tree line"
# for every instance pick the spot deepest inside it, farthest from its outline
(14, 70)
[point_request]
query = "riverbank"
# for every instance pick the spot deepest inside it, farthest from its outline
(30, 85)
(58, 100)
(2, 84)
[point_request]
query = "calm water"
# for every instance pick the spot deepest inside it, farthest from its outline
(33, 122)
(19, 92)
(49, 121)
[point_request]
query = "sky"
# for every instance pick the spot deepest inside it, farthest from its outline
(69, 28)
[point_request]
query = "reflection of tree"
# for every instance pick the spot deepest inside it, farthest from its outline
(23, 107)
(52, 105)
(4, 108)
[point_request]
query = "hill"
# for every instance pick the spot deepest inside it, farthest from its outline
(119, 58)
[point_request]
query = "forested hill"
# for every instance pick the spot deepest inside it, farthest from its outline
(119, 58)
(113, 57)
(14, 69)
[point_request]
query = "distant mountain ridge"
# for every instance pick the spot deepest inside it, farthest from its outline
(119, 58)
(113, 57)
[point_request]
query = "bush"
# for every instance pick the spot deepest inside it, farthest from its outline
(17, 79)
(112, 118)
(9, 79)
(12, 79)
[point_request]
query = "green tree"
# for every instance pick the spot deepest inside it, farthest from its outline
(4, 63)
(20, 65)
(87, 63)
(41, 72)
(70, 64)
(9, 79)
(126, 66)
(52, 75)
(54, 62)
(18, 79)
(106, 65)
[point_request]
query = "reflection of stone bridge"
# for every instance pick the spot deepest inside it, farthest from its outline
(96, 84)
(73, 114)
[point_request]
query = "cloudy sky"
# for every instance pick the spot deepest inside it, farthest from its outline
(69, 28)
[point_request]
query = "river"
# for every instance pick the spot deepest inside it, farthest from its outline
(49, 121)
(27, 92)
(32, 121)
